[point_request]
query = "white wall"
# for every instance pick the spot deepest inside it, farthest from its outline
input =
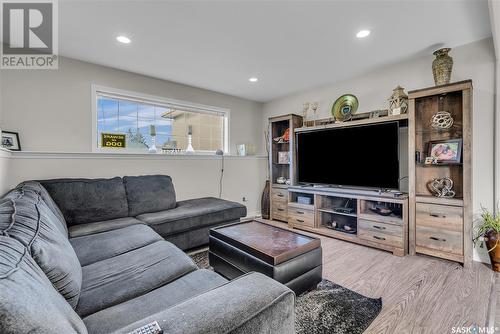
(473, 61)
(494, 7)
(51, 109)
(4, 170)
(4, 155)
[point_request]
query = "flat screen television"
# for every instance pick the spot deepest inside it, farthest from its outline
(361, 156)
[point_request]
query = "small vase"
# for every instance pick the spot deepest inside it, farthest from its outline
(491, 239)
(265, 205)
(442, 66)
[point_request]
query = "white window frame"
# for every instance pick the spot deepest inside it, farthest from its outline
(151, 99)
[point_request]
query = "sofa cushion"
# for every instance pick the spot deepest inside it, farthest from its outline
(24, 216)
(118, 316)
(88, 200)
(28, 301)
(118, 279)
(105, 245)
(253, 303)
(193, 214)
(102, 226)
(36, 186)
(149, 193)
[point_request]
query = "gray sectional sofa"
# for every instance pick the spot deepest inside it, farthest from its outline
(97, 205)
(74, 260)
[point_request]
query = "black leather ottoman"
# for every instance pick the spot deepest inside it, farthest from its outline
(289, 257)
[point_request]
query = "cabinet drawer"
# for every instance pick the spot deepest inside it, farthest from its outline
(279, 195)
(439, 239)
(387, 234)
(439, 228)
(384, 228)
(300, 216)
(279, 211)
(439, 216)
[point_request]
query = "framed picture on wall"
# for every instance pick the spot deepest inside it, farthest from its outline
(10, 140)
(448, 151)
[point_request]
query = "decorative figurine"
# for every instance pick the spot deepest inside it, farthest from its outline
(398, 102)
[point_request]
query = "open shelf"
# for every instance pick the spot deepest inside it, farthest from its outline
(425, 109)
(336, 234)
(422, 165)
(366, 211)
(293, 200)
(301, 206)
(337, 212)
(399, 118)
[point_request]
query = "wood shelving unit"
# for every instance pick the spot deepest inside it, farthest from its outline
(441, 227)
(279, 195)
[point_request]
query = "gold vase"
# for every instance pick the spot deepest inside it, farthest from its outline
(442, 66)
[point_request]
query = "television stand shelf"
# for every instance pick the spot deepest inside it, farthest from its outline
(365, 217)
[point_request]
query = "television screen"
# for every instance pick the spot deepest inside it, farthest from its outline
(362, 156)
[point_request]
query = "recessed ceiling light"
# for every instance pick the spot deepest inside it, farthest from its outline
(123, 39)
(363, 33)
(253, 79)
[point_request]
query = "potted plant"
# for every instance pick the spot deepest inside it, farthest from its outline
(488, 229)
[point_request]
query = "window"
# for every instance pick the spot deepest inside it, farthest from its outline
(131, 114)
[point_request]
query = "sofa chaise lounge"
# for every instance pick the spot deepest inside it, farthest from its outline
(63, 271)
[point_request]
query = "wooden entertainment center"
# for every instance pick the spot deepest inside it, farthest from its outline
(352, 208)
(419, 222)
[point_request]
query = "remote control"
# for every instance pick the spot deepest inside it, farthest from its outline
(151, 328)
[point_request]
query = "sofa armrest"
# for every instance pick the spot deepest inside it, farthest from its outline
(252, 303)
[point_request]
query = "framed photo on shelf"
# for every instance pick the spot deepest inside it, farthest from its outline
(447, 151)
(10, 141)
(283, 157)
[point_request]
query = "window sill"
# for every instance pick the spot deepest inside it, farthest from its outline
(124, 155)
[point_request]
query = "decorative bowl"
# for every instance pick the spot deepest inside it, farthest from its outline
(344, 107)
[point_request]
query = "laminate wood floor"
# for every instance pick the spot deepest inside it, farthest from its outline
(420, 294)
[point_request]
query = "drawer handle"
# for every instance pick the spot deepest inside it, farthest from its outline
(281, 195)
(437, 239)
(378, 238)
(436, 215)
(300, 212)
(300, 220)
(281, 209)
(379, 227)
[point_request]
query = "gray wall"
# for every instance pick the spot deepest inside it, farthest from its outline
(52, 109)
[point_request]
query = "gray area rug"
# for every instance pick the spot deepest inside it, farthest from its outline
(330, 308)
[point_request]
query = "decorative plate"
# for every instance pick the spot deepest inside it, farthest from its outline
(344, 107)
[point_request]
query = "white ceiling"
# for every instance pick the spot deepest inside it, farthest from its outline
(289, 45)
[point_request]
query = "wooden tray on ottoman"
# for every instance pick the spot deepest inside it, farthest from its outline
(289, 257)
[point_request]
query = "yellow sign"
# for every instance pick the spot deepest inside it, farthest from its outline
(113, 140)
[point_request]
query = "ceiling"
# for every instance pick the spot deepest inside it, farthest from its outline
(289, 45)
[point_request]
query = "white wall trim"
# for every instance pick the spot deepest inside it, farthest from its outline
(126, 156)
(5, 153)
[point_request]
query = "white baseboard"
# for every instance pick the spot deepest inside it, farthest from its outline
(251, 216)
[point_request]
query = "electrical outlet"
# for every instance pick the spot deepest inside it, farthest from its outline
(244, 199)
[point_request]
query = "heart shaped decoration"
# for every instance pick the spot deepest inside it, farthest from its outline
(441, 187)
